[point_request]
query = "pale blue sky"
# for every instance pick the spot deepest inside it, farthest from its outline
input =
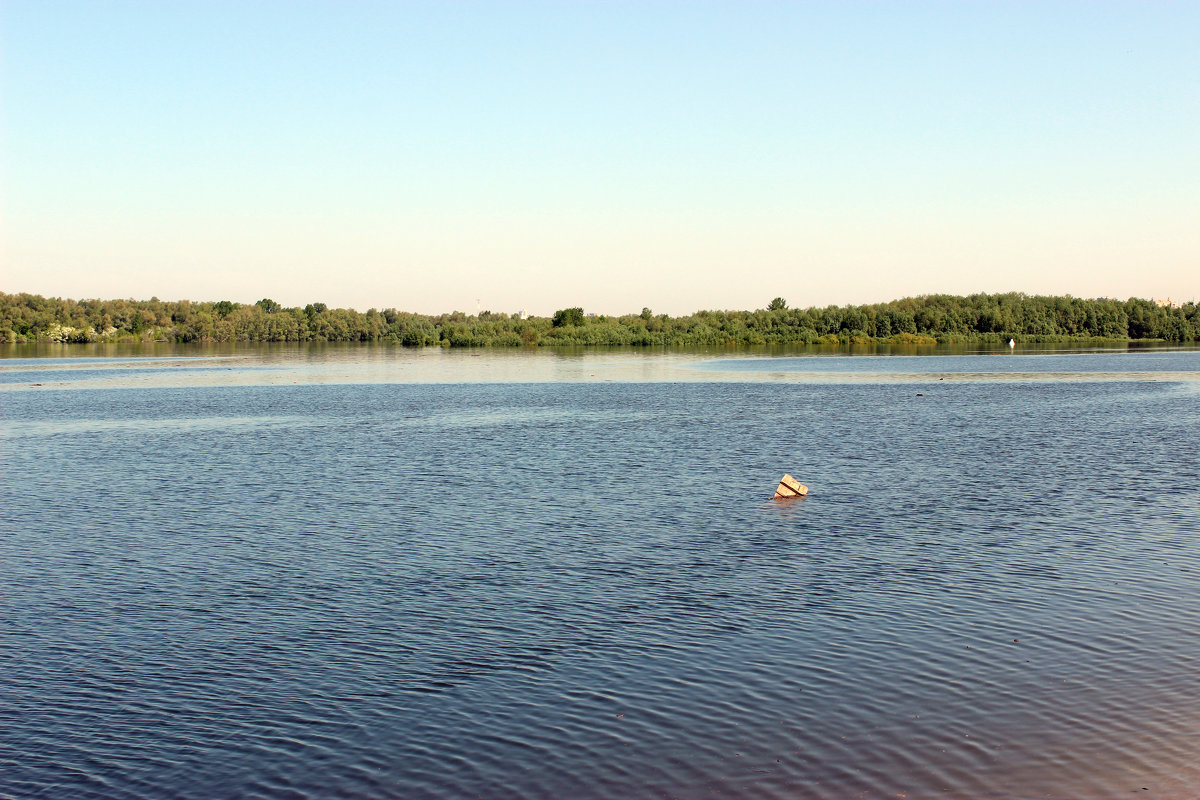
(432, 156)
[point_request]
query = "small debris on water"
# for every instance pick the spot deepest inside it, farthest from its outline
(789, 489)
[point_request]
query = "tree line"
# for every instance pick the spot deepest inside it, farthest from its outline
(928, 319)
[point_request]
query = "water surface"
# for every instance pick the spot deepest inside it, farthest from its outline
(397, 574)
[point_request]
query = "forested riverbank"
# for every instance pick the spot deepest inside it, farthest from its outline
(927, 319)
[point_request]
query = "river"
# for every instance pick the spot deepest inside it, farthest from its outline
(370, 572)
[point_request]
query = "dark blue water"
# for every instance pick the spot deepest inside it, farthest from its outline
(579, 590)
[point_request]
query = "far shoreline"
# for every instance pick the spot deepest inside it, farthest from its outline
(925, 321)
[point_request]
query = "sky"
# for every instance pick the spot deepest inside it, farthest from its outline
(506, 156)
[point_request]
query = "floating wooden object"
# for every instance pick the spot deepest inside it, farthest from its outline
(789, 489)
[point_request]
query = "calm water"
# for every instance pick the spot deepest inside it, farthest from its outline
(374, 573)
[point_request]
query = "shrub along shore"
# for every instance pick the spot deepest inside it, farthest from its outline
(929, 319)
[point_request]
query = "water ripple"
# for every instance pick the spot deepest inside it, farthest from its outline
(569, 590)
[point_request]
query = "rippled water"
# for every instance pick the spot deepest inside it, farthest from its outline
(368, 575)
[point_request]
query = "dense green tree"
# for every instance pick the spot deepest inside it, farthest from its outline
(568, 316)
(981, 317)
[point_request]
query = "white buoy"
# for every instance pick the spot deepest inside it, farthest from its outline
(1012, 343)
